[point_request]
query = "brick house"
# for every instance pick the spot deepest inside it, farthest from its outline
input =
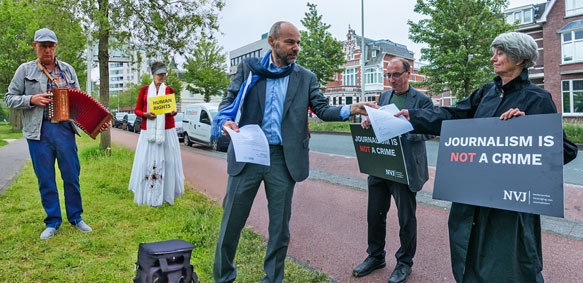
(557, 27)
(346, 87)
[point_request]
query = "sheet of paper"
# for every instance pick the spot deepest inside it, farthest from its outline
(385, 124)
(250, 145)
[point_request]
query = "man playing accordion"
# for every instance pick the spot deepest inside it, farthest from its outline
(47, 142)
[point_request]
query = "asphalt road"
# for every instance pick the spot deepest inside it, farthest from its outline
(342, 145)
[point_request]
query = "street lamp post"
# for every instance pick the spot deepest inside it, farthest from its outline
(362, 55)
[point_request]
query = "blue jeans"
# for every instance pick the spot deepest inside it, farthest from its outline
(57, 142)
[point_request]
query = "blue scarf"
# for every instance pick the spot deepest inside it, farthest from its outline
(258, 70)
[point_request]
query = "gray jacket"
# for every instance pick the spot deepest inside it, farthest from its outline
(413, 144)
(302, 92)
(29, 80)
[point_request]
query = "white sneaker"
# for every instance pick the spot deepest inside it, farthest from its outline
(81, 225)
(47, 233)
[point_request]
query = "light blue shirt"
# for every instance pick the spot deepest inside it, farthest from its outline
(275, 91)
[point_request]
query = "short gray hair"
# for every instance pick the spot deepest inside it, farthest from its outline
(518, 46)
(275, 28)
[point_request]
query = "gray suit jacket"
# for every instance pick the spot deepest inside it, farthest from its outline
(302, 92)
(413, 144)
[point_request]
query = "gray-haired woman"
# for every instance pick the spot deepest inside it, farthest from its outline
(487, 244)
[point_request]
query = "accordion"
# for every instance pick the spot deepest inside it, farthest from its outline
(86, 112)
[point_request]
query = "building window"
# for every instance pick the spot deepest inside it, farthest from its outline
(374, 53)
(573, 7)
(340, 100)
(373, 76)
(348, 100)
(520, 17)
(334, 100)
(349, 76)
(572, 46)
(573, 96)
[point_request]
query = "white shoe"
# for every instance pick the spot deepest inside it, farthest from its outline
(81, 225)
(47, 233)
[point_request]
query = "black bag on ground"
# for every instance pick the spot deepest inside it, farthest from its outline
(167, 261)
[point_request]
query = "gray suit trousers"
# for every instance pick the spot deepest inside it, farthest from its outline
(241, 191)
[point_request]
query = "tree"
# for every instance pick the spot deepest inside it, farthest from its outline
(20, 19)
(174, 81)
(205, 71)
(158, 26)
(320, 53)
(459, 34)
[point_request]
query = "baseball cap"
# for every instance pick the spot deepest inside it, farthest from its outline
(45, 34)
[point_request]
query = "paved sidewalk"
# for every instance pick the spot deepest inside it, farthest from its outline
(14, 156)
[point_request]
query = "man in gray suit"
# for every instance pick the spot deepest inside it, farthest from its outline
(278, 102)
(380, 190)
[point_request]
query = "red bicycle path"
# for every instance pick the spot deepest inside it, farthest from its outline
(328, 225)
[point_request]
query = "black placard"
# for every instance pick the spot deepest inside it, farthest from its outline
(379, 159)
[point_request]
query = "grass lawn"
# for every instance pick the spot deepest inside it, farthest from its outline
(108, 253)
(7, 133)
(317, 125)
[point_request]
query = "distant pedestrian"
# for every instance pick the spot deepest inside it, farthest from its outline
(380, 190)
(489, 244)
(48, 141)
(157, 175)
(277, 99)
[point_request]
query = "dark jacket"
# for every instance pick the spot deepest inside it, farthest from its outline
(413, 144)
(302, 92)
(487, 244)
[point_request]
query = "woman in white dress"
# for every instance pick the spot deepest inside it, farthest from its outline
(157, 175)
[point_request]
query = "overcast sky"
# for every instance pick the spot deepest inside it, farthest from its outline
(244, 21)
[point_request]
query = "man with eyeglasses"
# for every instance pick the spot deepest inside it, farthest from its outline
(47, 142)
(380, 190)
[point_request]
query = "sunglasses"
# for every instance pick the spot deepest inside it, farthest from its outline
(395, 75)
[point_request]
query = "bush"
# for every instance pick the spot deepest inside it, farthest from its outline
(574, 132)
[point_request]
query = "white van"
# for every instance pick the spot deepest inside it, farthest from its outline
(197, 126)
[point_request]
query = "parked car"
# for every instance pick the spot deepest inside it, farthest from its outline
(197, 126)
(179, 127)
(118, 119)
(128, 122)
(138, 125)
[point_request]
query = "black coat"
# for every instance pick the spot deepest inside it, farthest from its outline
(487, 244)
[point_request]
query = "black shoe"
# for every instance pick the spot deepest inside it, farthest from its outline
(368, 266)
(400, 274)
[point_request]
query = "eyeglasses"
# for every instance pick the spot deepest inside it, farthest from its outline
(394, 76)
(51, 47)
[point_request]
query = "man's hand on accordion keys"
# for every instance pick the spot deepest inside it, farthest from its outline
(41, 99)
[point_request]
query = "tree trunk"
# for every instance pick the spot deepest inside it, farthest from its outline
(103, 57)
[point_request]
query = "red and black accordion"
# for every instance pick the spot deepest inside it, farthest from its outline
(84, 110)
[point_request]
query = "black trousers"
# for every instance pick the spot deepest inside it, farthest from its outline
(379, 202)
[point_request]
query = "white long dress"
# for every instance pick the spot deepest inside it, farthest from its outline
(157, 175)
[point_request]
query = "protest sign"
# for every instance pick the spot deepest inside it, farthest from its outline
(379, 159)
(515, 164)
(162, 104)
